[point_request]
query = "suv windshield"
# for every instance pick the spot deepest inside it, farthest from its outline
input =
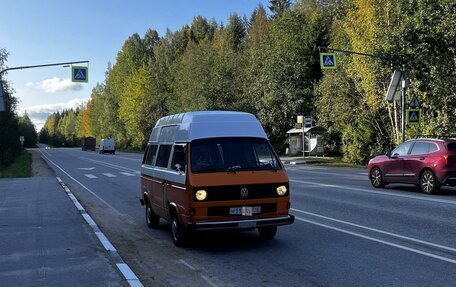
(232, 154)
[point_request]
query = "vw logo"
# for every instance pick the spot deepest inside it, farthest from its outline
(244, 192)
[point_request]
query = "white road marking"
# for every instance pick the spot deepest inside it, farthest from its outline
(90, 176)
(208, 281)
(86, 168)
(378, 240)
(127, 173)
(78, 182)
(376, 192)
(363, 173)
(109, 175)
(377, 230)
(114, 166)
(128, 274)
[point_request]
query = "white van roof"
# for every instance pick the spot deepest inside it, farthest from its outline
(189, 126)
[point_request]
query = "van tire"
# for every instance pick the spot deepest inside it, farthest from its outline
(179, 233)
(152, 219)
(267, 232)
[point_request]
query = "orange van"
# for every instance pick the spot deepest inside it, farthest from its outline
(213, 170)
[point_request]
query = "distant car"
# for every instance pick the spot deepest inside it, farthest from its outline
(426, 163)
(107, 146)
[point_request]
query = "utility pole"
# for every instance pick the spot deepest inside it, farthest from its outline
(2, 99)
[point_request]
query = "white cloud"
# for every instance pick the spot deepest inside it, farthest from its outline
(38, 114)
(56, 84)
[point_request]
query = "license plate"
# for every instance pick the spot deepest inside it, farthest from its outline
(245, 210)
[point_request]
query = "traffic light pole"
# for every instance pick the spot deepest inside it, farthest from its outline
(404, 84)
(2, 100)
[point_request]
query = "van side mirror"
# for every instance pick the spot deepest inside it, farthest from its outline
(178, 167)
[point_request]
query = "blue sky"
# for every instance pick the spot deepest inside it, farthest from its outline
(49, 31)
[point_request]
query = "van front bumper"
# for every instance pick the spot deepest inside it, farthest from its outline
(243, 224)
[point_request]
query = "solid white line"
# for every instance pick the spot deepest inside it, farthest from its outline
(378, 240)
(127, 173)
(90, 176)
(182, 261)
(83, 186)
(208, 281)
(376, 192)
(377, 230)
(109, 175)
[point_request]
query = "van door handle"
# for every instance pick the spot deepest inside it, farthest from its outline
(422, 158)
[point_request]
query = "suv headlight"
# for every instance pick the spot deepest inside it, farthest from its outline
(281, 190)
(201, 195)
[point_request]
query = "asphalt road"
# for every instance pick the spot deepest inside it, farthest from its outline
(346, 232)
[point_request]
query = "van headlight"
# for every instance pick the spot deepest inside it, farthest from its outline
(281, 190)
(201, 194)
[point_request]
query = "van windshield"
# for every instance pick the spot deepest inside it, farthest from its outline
(232, 154)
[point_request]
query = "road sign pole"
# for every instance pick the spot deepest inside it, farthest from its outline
(403, 108)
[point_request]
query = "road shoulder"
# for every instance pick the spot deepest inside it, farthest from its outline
(45, 241)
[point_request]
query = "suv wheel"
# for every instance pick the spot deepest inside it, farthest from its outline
(429, 183)
(376, 178)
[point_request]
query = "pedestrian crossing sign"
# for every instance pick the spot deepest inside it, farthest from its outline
(328, 61)
(79, 74)
(413, 116)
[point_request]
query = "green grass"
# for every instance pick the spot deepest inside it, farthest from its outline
(22, 167)
(330, 161)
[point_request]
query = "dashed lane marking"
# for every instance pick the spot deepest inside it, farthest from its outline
(91, 176)
(109, 175)
(127, 173)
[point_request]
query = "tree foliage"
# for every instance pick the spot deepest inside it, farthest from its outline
(269, 65)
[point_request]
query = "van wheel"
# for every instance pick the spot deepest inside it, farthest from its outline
(267, 232)
(429, 182)
(180, 234)
(152, 220)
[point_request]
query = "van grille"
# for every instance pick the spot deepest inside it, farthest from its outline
(225, 210)
(233, 192)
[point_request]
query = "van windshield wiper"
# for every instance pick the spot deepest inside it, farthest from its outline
(234, 168)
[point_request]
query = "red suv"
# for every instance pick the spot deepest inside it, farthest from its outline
(426, 163)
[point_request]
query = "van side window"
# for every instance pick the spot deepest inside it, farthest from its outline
(179, 157)
(145, 155)
(163, 155)
(151, 155)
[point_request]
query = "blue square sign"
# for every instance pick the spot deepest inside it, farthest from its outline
(328, 61)
(79, 74)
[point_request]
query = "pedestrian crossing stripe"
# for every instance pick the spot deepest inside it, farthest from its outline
(328, 61)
